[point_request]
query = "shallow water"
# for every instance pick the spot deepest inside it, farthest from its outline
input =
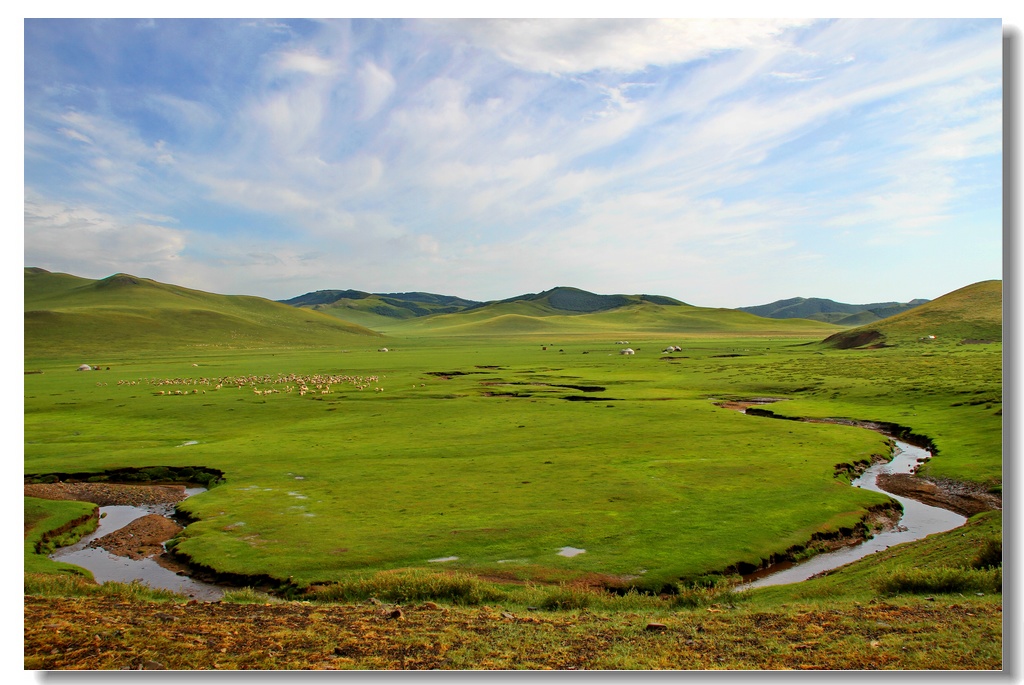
(107, 567)
(918, 521)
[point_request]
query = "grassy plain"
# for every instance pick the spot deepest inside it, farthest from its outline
(501, 453)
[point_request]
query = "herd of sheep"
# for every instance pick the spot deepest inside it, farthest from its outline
(299, 383)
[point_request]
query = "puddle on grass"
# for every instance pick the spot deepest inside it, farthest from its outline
(919, 520)
(570, 551)
(106, 567)
(441, 560)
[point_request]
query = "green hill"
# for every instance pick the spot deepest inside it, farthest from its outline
(969, 315)
(68, 315)
(839, 313)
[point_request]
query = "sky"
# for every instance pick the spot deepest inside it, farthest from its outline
(725, 163)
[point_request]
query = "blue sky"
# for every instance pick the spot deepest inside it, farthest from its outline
(724, 163)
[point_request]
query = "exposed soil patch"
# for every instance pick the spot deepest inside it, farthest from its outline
(140, 539)
(108, 494)
(966, 499)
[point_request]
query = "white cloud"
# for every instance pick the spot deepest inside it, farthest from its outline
(573, 46)
(378, 85)
(91, 242)
(302, 63)
(186, 115)
(75, 135)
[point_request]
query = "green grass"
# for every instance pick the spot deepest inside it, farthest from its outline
(52, 524)
(479, 466)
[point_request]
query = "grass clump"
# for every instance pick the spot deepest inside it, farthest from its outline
(410, 585)
(990, 556)
(704, 592)
(71, 585)
(567, 597)
(940, 581)
(247, 595)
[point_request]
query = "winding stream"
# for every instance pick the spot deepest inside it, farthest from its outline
(107, 567)
(919, 520)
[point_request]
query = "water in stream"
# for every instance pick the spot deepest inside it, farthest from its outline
(918, 521)
(106, 567)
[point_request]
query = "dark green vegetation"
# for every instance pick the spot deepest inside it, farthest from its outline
(839, 313)
(501, 434)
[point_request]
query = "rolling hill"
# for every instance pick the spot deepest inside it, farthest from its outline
(574, 311)
(969, 315)
(69, 315)
(839, 313)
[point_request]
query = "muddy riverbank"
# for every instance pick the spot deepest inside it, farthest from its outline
(128, 544)
(966, 499)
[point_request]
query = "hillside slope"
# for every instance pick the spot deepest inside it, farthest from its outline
(970, 314)
(66, 314)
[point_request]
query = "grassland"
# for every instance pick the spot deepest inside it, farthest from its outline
(478, 447)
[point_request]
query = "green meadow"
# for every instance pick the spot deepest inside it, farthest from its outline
(488, 444)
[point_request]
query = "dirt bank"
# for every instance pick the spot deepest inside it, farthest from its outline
(108, 494)
(140, 539)
(966, 499)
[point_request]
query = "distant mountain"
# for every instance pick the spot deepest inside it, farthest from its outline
(574, 300)
(565, 310)
(66, 314)
(973, 314)
(829, 311)
(376, 309)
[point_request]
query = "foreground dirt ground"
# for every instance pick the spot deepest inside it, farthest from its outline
(111, 633)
